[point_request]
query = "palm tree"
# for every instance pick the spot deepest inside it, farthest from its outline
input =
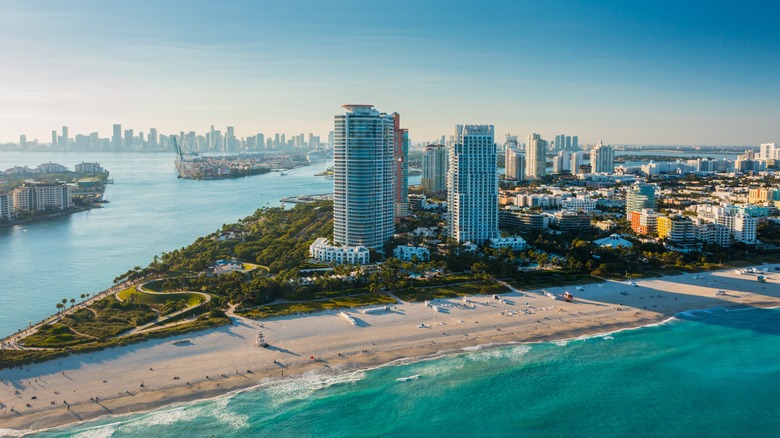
(72, 302)
(60, 306)
(83, 296)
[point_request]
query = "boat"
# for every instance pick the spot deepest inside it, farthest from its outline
(622, 292)
(282, 173)
(633, 284)
(579, 288)
(260, 341)
(568, 297)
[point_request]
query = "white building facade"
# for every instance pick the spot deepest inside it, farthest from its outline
(39, 197)
(6, 206)
(408, 253)
(472, 185)
(363, 177)
(323, 251)
(434, 169)
(517, 243)
(536, 161)
(514, 163)
(602, 159)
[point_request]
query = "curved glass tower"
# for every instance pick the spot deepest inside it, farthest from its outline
(363, 177)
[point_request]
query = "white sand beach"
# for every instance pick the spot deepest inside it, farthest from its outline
(212, 362)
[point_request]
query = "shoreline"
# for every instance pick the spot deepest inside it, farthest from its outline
(380, 340)
(8, 224)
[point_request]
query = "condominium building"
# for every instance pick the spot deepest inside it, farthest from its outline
(408, 253)
(39, 197)
(523, 220)
(602, 158)
(89, 168)
(6, 206)
(583, 203)
(434, 168)
(769, 151)
(363, 167)
(640, 196)
(741, 226)
(644, 221)
(514, 163)
(676, 228)
(400, 168)
(472, 185)
(572, 220)
(562, 162)
(536, 164)
(51, 168)
(321, 250)
(517, 243)
(763, 195)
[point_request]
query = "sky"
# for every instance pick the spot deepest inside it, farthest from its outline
(626, 72)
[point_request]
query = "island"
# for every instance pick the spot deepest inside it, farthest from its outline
(50, 190)
(200, 167)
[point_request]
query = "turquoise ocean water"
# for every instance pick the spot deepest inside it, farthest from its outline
(705, 373)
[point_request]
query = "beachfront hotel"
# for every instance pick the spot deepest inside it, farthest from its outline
(472, 185)
(363, 166)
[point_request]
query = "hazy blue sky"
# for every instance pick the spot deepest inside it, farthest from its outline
(640, 72)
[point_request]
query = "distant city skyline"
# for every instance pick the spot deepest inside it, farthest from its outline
(644, 72)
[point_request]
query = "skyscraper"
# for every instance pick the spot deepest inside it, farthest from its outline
(537, 157)
(65, 142)
(363, 177)
(602, 158)
(401, 168)
(116, 139)
(53, 139)
(639, 197)
(514, 163)
(128, 139)
(560, 142)
(152, 143)
(472, 185)
(434, 168)
(562, 162)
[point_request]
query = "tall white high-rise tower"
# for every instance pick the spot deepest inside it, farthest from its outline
(363, 177)
(472, 185)
(602, 158)
(536, 158)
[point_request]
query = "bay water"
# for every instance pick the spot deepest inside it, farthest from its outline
(150, 211)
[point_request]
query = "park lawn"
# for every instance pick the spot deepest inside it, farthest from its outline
(286, 309)
(450, 291)
(55, 335)
(248, 267)
(113, 318)
(160, 299)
